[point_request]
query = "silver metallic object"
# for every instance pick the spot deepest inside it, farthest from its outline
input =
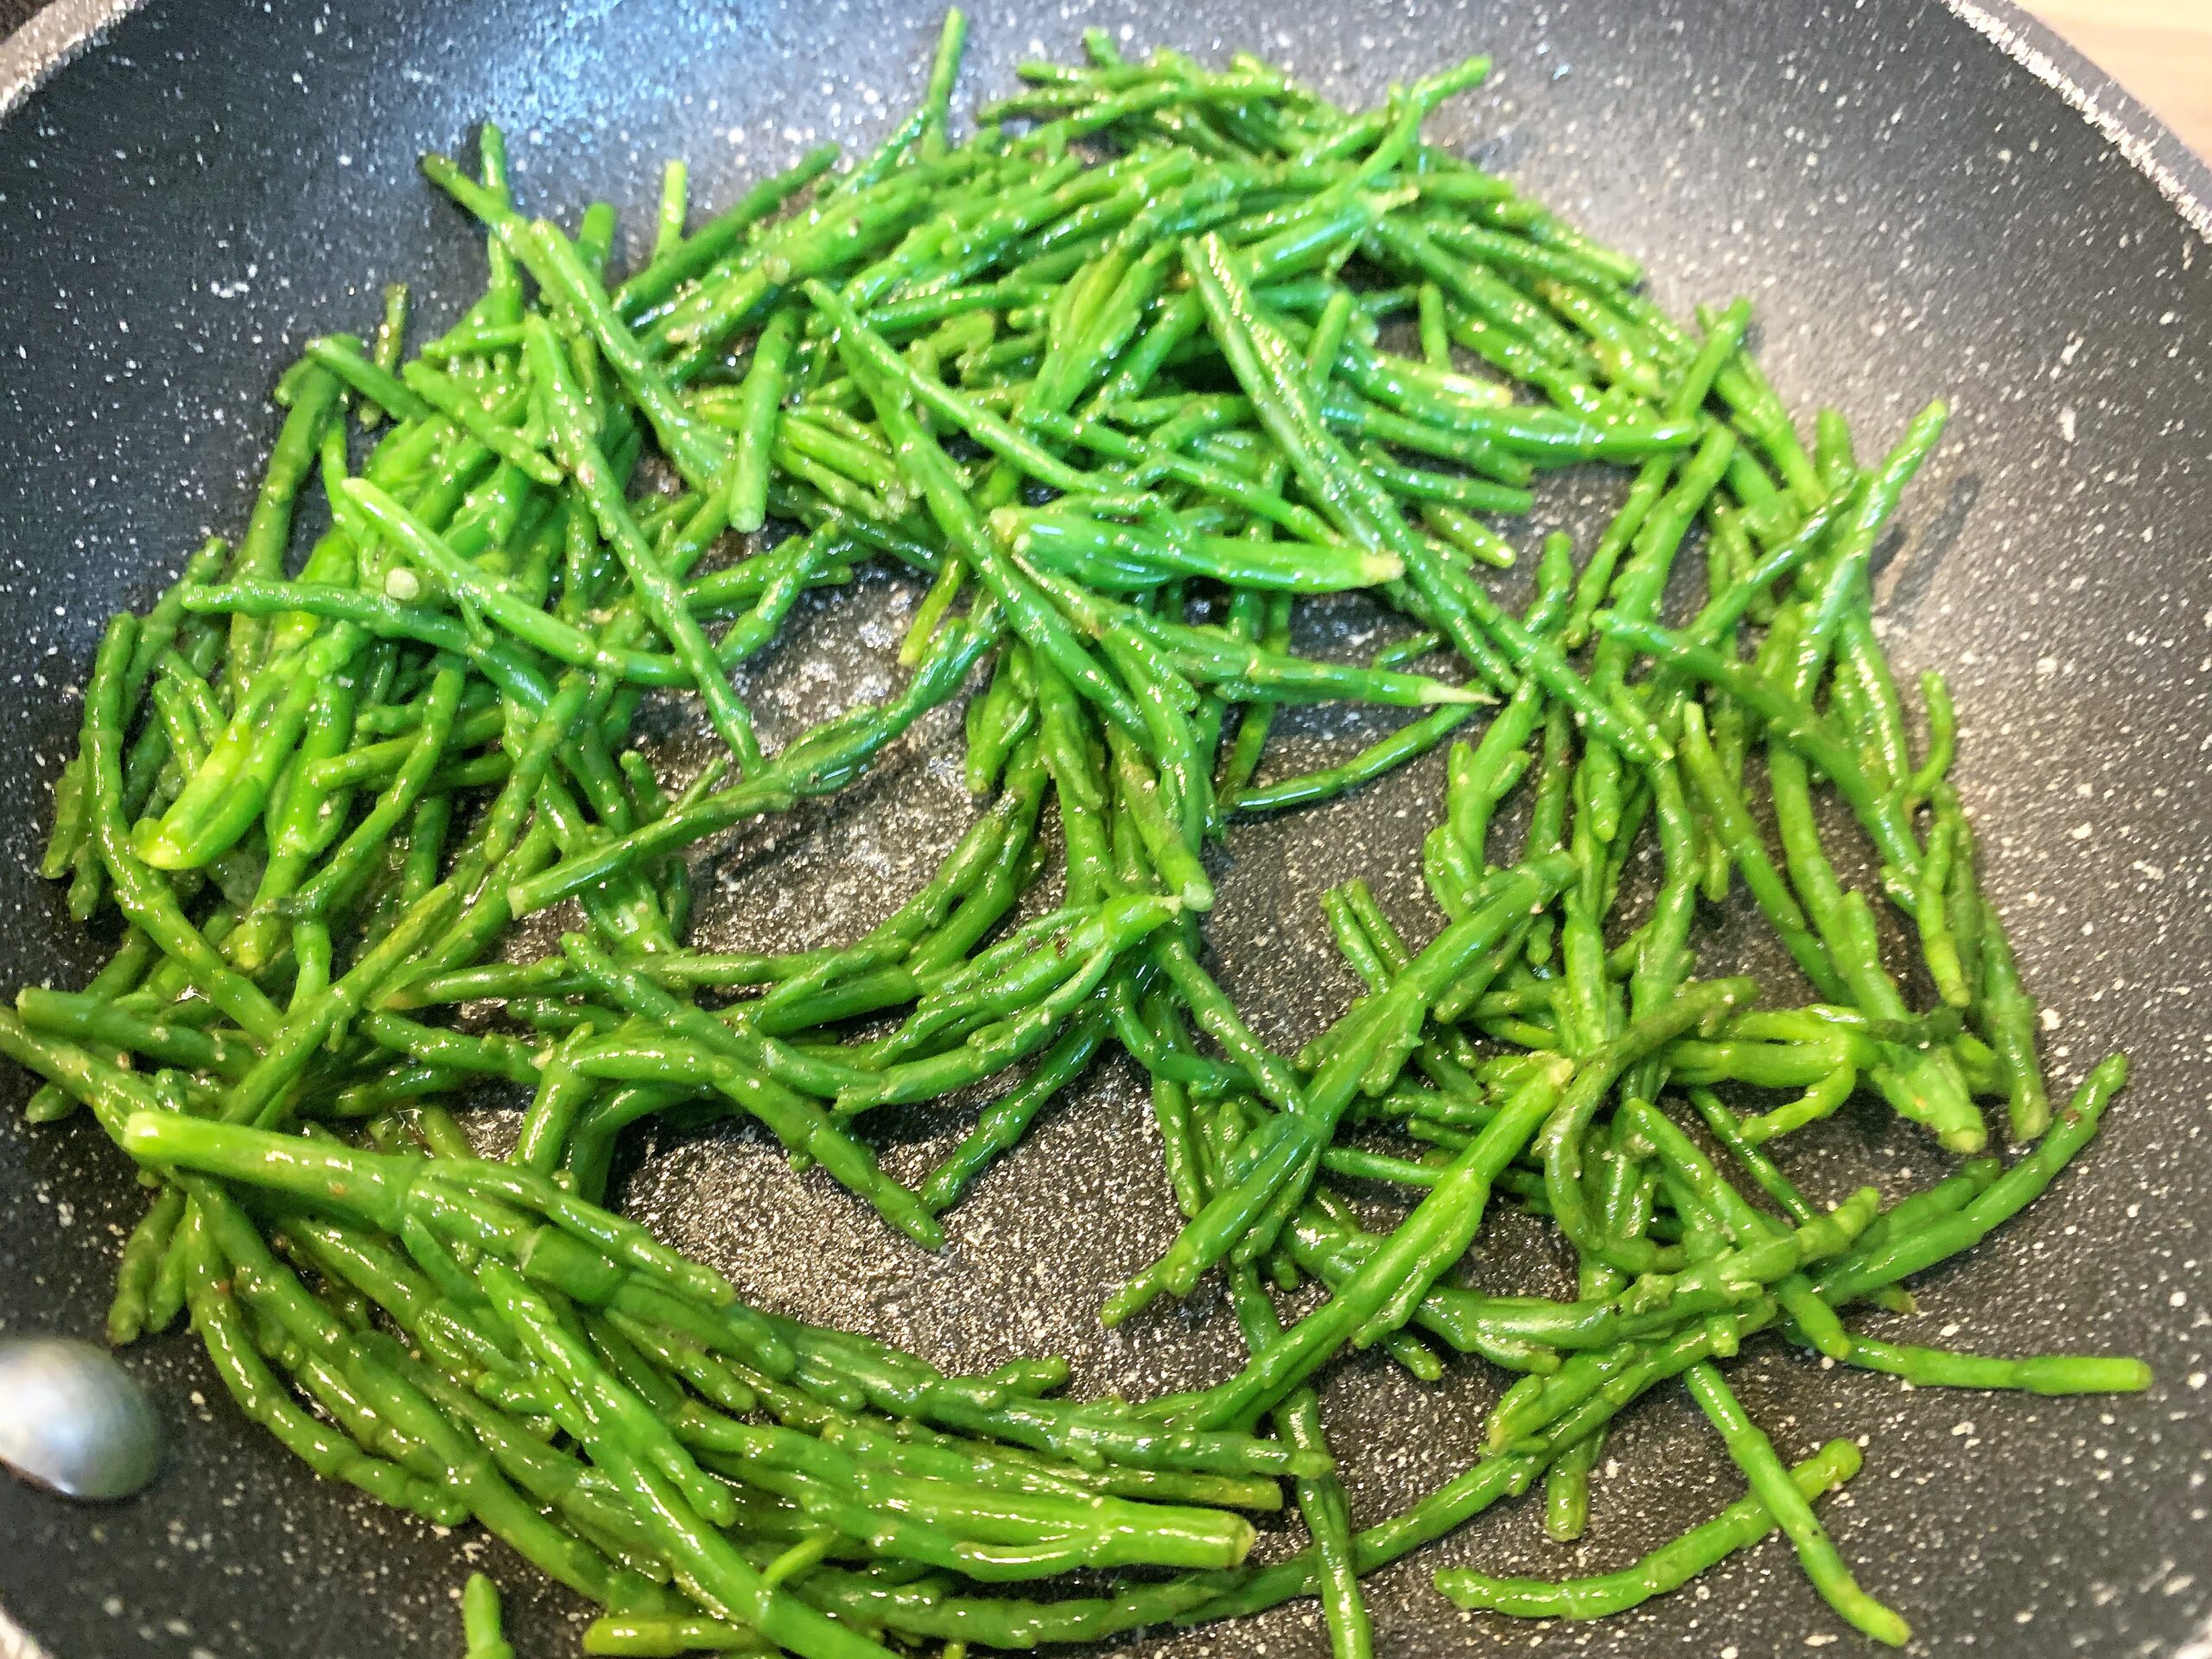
(74, 1420)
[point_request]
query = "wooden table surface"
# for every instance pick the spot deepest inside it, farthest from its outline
(2160, 50)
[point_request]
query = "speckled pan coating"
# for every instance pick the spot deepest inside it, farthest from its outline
(1914, 212)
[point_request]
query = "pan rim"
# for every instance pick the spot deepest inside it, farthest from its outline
(2143, 137)
(50, 39)
(61, 32)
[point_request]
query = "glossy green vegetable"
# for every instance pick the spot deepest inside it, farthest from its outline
(1105, 398)
(1668, 1567)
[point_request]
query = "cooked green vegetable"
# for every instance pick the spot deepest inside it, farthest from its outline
(1116, 375)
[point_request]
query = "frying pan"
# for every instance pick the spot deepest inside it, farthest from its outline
(1921, 198)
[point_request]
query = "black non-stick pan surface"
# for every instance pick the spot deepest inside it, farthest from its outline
(1922, 200)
